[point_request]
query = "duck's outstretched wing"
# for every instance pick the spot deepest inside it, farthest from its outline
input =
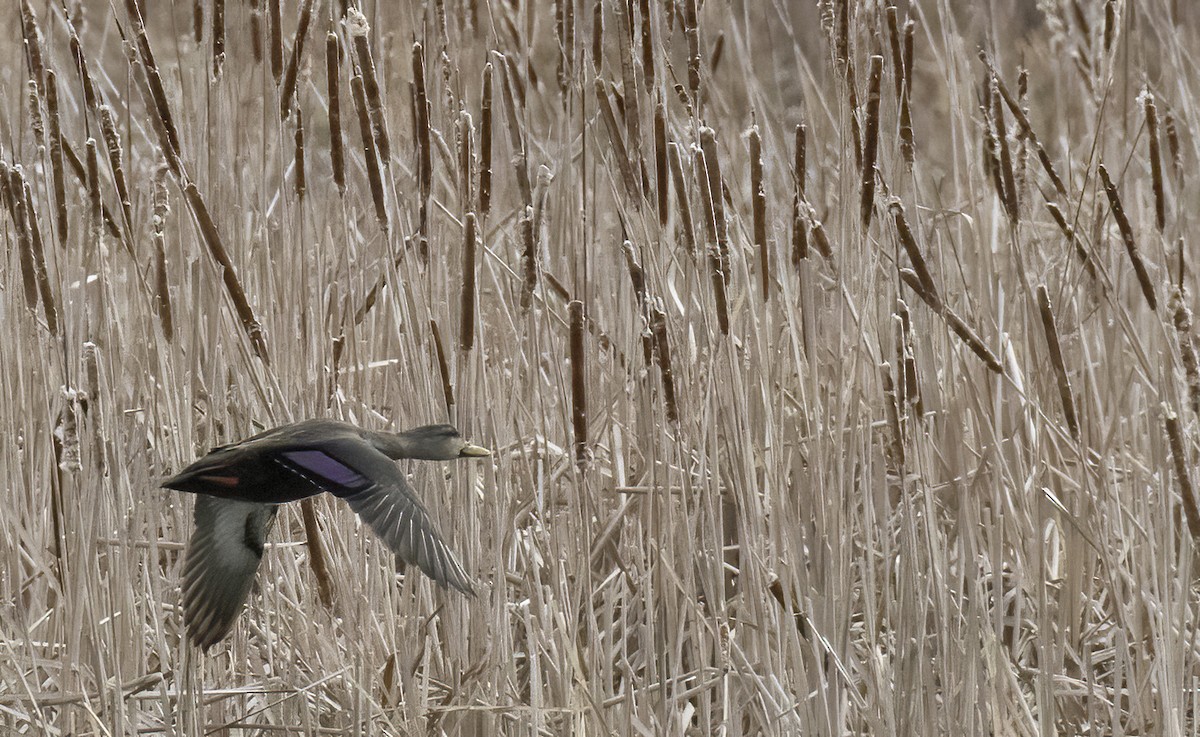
(222, 558)
(375, 489)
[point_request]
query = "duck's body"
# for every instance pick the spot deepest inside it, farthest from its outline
(239, 486)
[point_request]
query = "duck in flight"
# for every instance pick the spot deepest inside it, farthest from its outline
(238, 489)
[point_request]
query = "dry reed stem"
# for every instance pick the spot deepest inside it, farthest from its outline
(162, 294)
(758, 196)
(686, 225)
(1182, 319)
(316, 553)
(662, 174)
(288, 92)
(466, 331)
(374, 177)
(337, 156)
(956, 324)
(359, 29)
(871, 142)
(1156, 173)
(485, 143)
(58, 176)
(1187, 493)
(1139, 268)
(579, 417)
(1056, 360)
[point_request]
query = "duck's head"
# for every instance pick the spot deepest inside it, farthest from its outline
(438, 443)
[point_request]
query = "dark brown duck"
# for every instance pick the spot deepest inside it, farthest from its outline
(239, 487)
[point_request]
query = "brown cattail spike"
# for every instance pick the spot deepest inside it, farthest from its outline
(871, 142)
(337, 156)
(1056, 360)
(758, 197)
(1139, 268)
(579, 414)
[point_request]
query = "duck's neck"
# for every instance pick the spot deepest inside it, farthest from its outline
(391, 444)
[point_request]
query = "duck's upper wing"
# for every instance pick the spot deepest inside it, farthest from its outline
(222, 559)
(375, 489)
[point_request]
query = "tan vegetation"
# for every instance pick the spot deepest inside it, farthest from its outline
(837, 358)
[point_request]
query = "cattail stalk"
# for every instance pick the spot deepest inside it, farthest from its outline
(661, 169)
(316, 553)
(15, 188)
(758, 196)
(647, 44)
(896, 45)
(871, 142)
(33, 43)
(516, 131)
(1008, 193)
(337, 156)
(620, 153)
(1089, 264)
(356, 24)
(256, 30)
(529, 260)
(485, 143)
(920, 268)
(112, 145)
(956, 324)
(578, 383)
(421, 107)
(275, 20)
(711, 165)
(894, 450)
(691, 30)
(662, 349)
(466, 159)
(466, 332)
(907, 140)
(158, 94)
(1187, 494)
(799, 222)
(374, 177)
(293, 68)
(1182, 318)
(218, 36)
(301, 179)
(439, 352)
(1014, 106)
(57, 174)
(1056, 360)
(598, 35)
(1156, 173)
(162, 293)
(1139, 268)
(675, 161)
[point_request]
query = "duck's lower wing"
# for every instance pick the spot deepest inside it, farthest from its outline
(222, 558)
(375, 489)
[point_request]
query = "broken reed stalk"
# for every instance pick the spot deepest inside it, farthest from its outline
(675, 161)
(316, 553)
(956, 324)
(758, 196)
(293, 68)
(1118, 211)
(620, 153)
(439, 352)
(528, 259)
(1008, 193)
(112, 145)
(711, 167)
(1187, 494)
(58, 177)
(871, 141)
(1182, 318)
(162, 293)
(915, 257)
(337, 156)
(578, 383)
(799, 222)
(485, 143)
(1014, 106)
(662, 349)
(359, 29)
(1156, 173)
(374, 177)
(301, 183)
(466, 325)
(1081, 252)
(275, 20)
(662, 174)
(1056, 360)
(218, 36)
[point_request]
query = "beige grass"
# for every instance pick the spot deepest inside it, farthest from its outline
(817, 513)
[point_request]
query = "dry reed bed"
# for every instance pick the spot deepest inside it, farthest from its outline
(842, 379)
